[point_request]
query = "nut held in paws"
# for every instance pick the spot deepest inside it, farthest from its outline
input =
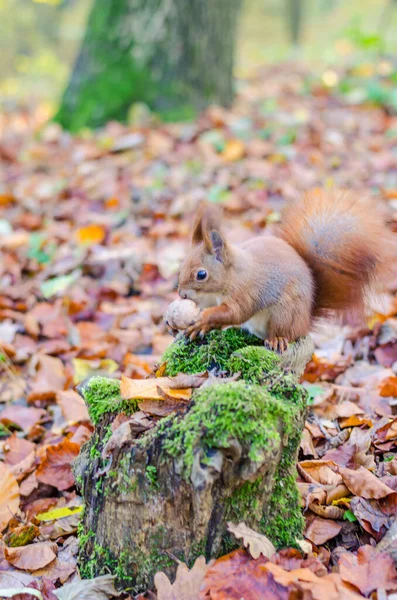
(181, 313)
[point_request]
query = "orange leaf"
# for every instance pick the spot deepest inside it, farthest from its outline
(234, 150)
(55, 469)
(152, 389)
(9, 496)
(91, 235)
(388, 387)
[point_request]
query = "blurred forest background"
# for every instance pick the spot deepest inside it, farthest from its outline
(41, 40)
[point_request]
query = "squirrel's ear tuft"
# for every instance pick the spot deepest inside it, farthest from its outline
(198, 230)
(207, 220)
(218, 246)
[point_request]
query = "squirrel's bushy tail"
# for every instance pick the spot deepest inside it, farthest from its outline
(345, 243)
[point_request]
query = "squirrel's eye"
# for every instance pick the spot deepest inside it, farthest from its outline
(201, 275)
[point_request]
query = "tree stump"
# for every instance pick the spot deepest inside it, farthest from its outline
(229, 457)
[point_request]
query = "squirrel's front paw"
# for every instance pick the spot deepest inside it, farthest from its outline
(277, 344)
(199, 327)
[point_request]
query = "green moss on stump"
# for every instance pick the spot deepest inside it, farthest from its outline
(213, 351)
(237, 410)
(102, 395)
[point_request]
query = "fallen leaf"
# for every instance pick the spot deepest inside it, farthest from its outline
(12, 592)
(369, 570)
(91, 234)
(73, 406)
(17, 449)
(187, 582)
(319, 471)
(9, 495)
(100, 588)
(365, 484)
(50, 377)
(152, 389)
(59, 513)
(24, 417)
(55, 468)
(320, 530)
(256, 543)
(388, 387)
(236, 576)
(234, 150)
(32, 557)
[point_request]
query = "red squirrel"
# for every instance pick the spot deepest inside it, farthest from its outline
(330, 250)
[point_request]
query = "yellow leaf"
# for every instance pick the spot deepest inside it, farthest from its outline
(58, 513)
(90, 235)
(151, 389)
(83, 368)
(234, 150)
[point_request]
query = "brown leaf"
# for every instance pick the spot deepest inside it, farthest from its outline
(322, 530)
(100, 588)
(387, 432)
(369, 514)
(363, 483)
(50, 378)
(305, 584)
(319, 471)
(152, 389)
(236, 576)
(55, 469)
(369, 570)
(32, 557)
(127, 432)
(9, 496)
(72, 406)
(16, 449)
(256, 543)
(187, 582)
(24, 417)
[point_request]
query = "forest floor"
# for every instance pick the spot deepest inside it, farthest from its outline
(93, 228)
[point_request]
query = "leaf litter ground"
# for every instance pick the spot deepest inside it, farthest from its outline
(93, 228)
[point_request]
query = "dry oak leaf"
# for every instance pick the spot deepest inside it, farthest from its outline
(369, 570)
(256, 543)
(187, 582)
(9, 495)
(32, 557)
(362, 482)
(319, 471)
(321, 530)
(152, 389)
(236, 576)
(55, 469)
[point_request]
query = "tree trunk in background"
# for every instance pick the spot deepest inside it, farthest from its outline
(294, 14)
(174, 55)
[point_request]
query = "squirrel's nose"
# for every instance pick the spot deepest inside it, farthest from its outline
(182, 294)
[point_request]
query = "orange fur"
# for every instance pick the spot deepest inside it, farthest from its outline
(332, 249)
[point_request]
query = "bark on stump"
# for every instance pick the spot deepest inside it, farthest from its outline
(230, 457)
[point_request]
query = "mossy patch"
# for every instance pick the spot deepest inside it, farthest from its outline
(254, 363)
(236, 410)
(102, 395)
(213, 351)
